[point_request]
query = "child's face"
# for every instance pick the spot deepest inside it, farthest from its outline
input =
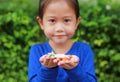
(59, 21)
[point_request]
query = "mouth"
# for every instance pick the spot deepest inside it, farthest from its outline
(59, 36)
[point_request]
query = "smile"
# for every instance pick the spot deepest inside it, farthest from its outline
(59, 36)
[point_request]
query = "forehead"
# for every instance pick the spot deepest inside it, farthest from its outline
(59, 6)
(69, 2)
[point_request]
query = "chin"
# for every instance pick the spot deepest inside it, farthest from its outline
(60, 42)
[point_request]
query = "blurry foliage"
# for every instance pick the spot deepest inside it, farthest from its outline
(19, 30)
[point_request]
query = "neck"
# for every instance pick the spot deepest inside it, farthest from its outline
(61, 48)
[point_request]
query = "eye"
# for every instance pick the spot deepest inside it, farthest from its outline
(52, 20)
(67, 20)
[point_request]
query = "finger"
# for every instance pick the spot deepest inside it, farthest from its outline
(56, 60)
(41, 59)
(67, 65)
(46, 61)
(60, 63)
(75, 59)
(64, 62)
(50, 63)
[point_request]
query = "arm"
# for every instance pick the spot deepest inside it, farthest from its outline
(84, 71)
(37, 72)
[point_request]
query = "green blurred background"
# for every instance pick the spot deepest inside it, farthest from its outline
(100, 27)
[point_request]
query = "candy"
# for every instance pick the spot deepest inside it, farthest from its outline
(51, 54)
(60, 56)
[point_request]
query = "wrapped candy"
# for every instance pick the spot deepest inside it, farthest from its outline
(60, 56)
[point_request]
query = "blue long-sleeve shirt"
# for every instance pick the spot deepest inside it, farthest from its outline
(83, 72)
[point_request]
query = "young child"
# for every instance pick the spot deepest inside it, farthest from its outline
(59, 20)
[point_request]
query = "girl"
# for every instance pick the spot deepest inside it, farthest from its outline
(59, 20)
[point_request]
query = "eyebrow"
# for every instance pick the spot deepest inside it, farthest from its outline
(56, 17)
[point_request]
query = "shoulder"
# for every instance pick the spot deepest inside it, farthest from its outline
(39, 49)
(42, 48)
(84, 49)
(82, 45)
(39, 46)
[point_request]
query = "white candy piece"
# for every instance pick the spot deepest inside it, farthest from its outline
(60, 55)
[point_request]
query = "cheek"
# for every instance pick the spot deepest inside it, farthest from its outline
(48, 32)
(70, 32)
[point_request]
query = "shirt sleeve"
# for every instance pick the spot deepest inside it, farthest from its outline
(84, 71)
(37, 72)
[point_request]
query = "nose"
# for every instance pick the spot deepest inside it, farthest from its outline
(59, 28)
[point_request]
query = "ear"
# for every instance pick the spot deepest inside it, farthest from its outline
(77, 22)
(40, 22)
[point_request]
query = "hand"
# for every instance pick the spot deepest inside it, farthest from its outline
(69, 63)
(47, 61)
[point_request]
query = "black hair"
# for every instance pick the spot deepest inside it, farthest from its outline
(43, 3)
